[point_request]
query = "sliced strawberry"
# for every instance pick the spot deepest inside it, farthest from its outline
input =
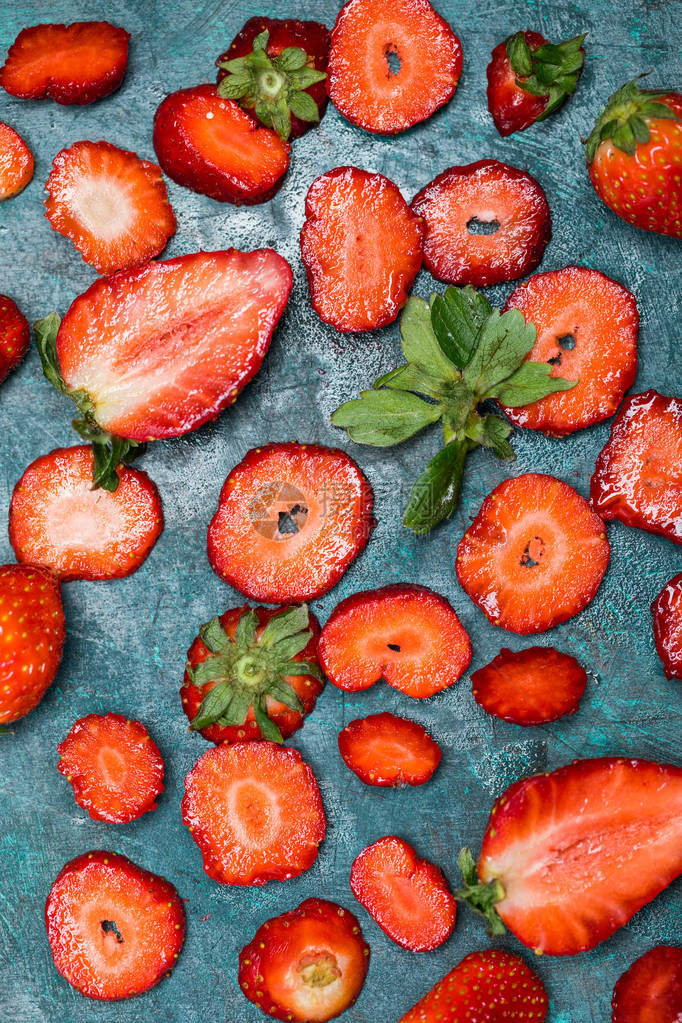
(667, 614)
(406, 634)
(361, 247)
(530, 687)
(290, 520)
(76, 63)
(254, 809)
(16, 162)
(638, 476)
(57, 520)
(307, 965)
(392, 63)
(114, 929)
(651, 990)
(535, 554)
(15, 335)
(587, 328)
(388, 751)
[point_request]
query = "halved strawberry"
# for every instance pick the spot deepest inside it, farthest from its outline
(57, 519)
(409, 898)
(388, 751)
(16, 162)
(211, 145)
(531, 687)
(111, 204)
(587, 328)
(667, 613)
(290, 520)
(485, 222)
(362, 249)
(114, 929)
(114, 766)
(307, 965)
(392, 63)
(406, 634)
(638, 476)
(255, 811)
(15, 335)
(76, 63)
(535, 554)
(651, 990)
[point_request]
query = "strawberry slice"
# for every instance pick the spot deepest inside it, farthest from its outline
(405, 634)
(535, 554)
(16, 162)
(485, 222)
(57, 519)
(362, 249)
(15, 335)
(305, 965)
(409, 898)
(114, 929)
(392, 63)
(389, 751)
(667, 613)
(114, 766)
(290, 520)
(638, 476)
(531, 687)
(111, 204)
(255, 811)
(651, 990)
(78, 63)
(587, 328)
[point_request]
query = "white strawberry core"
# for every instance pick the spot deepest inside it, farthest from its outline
(103, 207)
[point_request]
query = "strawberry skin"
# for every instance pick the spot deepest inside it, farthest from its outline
(15, 335)
(16, 162)
(531, 687)
(511, 108)
(651, 990)
(667, 614)
(389, 751)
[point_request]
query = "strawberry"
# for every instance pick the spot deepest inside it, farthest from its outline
(486, 987)
(290, 520)
(531, 687)
(308, 964)
(667, 613)
(651, 990)
(209, 144)
(392, 63)
(31, 637)
(571, 856)
(253, 674)
(76, 63)
(406, 634)
(110, 204)
(15, 335)
(361, 247)
(409, 898)
(16, 162)
(114, 929)
(587, 328)
(57, 519)
(485, 222)
(633, 157)
(254, 810)
(389, 751)
(637, 478)
(114, 766)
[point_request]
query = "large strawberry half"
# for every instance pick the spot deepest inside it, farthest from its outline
(667, 614)
(16, 162)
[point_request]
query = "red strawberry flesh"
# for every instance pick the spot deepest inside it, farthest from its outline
(531, 687)
(651, 990)
(667, 614)
(386, 750)
(16, 162)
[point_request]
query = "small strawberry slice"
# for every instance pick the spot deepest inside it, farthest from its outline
(535, 554)
(531, 687)
(638, 476)
(255, 811)
(362, 249)
(111, 204)
(16, 162)
(307, 965)
(651, 990)
(485, 222)
(114, 766)
(667, 613)
(290, 520)
(76, 63)
(392, 63)
(409, 898)
(587, 328)
(15, 335)
(57, 519)
(115, 930)
(389, 751)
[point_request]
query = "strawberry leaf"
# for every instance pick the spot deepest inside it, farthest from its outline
(492, 432)
(245, 632)
(531, 382)
(503, 342)
(457, 318)
(420, 344)
(384, 418)
(410, 378)
(550, 70)
(435, 495)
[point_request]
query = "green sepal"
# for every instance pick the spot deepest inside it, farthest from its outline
(552, 70)
(385, 417)
(245, 632)
(283, 693)
(411, 378)
(302, 668)
(457, 317)
(214, 637)
(504, 341)
(268, 728)
(491, 432)
(482, 898)
(237, 710)
(213, 706)
(531, 382)
(286, 623)
(435, 495)
(420, 345)
(625, 116)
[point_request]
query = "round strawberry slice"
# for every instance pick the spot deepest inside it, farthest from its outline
(15, 335)
(114, 929)
(16, 162)
(388, 751)
(485, 222)
(535, 554)
(57, 520)
(255, 811)
(307, 965)
(408, 635)
(667, 613)
(531, 687)
(651, 990)
(290, 519)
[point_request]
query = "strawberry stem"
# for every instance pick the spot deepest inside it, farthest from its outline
(479, 896)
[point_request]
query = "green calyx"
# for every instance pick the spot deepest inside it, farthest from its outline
(550, 71)
(459, 352)
(480, 897)
(625, 118)
(273, 88)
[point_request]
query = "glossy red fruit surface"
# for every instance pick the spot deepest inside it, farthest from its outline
(531, 687)
(388, 751)
(667, 615)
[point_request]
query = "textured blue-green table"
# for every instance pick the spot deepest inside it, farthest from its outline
(127, 640)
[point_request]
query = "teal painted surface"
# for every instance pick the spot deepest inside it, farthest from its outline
(127, 640)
